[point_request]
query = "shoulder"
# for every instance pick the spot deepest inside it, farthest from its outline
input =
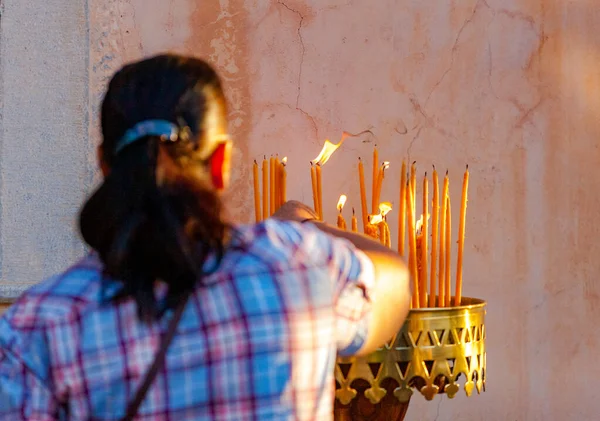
(55, 299)
(25, 328)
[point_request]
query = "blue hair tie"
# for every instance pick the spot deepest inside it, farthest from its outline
(164, 129)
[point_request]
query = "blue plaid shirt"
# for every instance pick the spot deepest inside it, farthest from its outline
(258, 342)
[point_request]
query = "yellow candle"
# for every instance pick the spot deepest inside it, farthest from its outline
(419, 253)
(381, 227)
(276, 181)
(448, 249)
(319, 192)
(256, 191)
(380, 177)
(272, 185)
(374, 202)
(377, 193)
(442, 251)
(313, 179)
(412, 249)
(363, 194)
(371, 229)
(388, 237)
(341, 222)
(435, 210)
(283, 182)
(265, 191)
(402, 214)
(413, 186)
(424, 245)
(461, 238)
(354, 222)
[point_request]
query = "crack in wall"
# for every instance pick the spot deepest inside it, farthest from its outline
(455, 47)
(302, 53)
(491, 69)
(416, 105)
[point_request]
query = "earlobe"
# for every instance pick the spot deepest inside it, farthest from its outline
(219, 166)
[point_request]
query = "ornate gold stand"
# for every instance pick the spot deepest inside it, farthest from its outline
(434, 348)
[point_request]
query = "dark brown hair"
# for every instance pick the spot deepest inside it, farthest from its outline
(143, 230)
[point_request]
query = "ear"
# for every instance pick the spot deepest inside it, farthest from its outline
(101, 162)
(219, 165)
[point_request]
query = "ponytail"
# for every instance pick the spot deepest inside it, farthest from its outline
(144, 232)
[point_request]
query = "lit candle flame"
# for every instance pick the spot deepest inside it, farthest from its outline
(419, 225)
(329, 148)
(284, 160)
(375, 219)
(385, 165)
(385, 208)
(341, 202)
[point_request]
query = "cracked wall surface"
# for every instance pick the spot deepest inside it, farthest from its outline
(510, 87)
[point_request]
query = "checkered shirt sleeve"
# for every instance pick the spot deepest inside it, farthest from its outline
(25, 388)
(353, 275)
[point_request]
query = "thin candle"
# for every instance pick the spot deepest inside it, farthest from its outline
(313, 179)
(388, 236)
(461, 238)
(448, 249)
(371, 229)
(283, 180)
(442, 251)
(319, 192)
(354, 222)
(380, 177)
(276, 181)
(435, 210)
(424, 244)
(374, 202)
(413, 186)
(272, 185)
(265, 191)
(412, 249)
(419, 254)
(363, 194)
(341, 222)
(402, 213)
(256, 191)
(381, 228)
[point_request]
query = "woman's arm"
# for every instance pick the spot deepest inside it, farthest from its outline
(391, 295)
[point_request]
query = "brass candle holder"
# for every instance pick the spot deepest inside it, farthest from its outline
(434, 349)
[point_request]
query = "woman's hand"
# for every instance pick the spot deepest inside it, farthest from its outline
(295, 211)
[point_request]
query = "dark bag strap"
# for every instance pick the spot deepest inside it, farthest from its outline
(157, 364)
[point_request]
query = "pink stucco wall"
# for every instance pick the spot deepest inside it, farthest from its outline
(511, 87)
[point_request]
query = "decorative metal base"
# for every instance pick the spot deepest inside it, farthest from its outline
(434, 348)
